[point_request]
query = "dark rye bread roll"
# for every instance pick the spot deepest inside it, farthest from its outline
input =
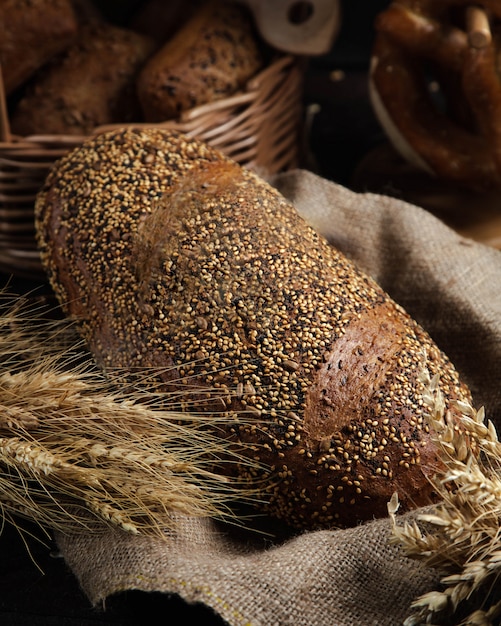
(210, 57)
(173, 257)
(92, 83)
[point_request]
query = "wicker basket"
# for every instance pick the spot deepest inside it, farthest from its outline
(259, 127)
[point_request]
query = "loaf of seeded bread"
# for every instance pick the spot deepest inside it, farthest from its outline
(174, 259)
(92, 83)
(31, 33)
(210, 57)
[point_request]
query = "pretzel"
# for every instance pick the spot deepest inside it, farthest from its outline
(454, 131)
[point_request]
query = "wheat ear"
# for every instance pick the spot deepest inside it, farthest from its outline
(460, 536)
(76, 449)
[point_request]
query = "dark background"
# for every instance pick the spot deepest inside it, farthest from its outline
(36, 587)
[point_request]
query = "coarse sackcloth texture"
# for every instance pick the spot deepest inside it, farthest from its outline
(452, 286)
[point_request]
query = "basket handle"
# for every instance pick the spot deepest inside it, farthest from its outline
(4, 117)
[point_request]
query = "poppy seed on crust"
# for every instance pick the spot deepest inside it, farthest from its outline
(174, 258)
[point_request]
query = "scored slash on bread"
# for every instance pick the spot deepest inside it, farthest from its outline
(177, 261)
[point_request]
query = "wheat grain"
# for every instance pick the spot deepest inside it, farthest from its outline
(75, 447)
(459, 537)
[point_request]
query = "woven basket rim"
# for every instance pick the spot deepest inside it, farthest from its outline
(257, 127)
(280, 62)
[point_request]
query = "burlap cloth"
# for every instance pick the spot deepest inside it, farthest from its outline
(452, 286)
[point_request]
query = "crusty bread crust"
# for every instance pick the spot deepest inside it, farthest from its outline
(91, 84)
(32, 33)
(173, 257)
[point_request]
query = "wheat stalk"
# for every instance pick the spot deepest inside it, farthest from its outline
(76, 449)
(460, 536)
